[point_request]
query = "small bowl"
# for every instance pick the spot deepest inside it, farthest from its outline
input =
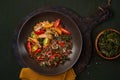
(108, 47)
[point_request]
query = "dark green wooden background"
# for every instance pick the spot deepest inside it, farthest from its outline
(12, 11)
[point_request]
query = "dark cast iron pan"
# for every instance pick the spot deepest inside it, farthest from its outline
(80, 28)
(25, 28)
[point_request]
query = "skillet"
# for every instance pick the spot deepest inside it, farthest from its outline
(26, 26)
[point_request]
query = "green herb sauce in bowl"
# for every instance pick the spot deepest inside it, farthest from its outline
(107, 44)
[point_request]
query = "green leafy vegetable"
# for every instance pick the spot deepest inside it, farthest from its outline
(109, 43)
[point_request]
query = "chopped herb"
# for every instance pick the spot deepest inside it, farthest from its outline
(109, 43)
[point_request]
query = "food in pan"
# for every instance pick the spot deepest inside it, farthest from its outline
(50, 43)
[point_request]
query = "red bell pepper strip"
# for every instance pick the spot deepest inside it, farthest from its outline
(52, 56)
(28, 46)
(61, 43)
(49, 52)
(58, 30)
(40, 59)
(39, 32)
(56, 23)
(37, 51)
(65, 31)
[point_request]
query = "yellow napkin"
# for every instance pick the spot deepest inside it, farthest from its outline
(28, 74)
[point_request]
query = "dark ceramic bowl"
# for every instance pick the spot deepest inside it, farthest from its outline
(26, 26)
(100, 53)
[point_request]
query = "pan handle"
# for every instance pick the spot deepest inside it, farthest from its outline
(103, 13)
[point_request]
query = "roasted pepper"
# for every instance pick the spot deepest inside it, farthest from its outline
(49, 52)
(58, 30)
(49, 25)
(28, 45)
(39, 32)
(61, 43)
(46, 42)
(54, 55)
(65, 31)
(37, 51)
(34, 48)
(56, 23)
(39, 59)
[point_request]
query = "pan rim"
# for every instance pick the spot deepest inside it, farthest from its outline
(28, 17)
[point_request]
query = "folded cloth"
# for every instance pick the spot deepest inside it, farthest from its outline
(28, 74)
